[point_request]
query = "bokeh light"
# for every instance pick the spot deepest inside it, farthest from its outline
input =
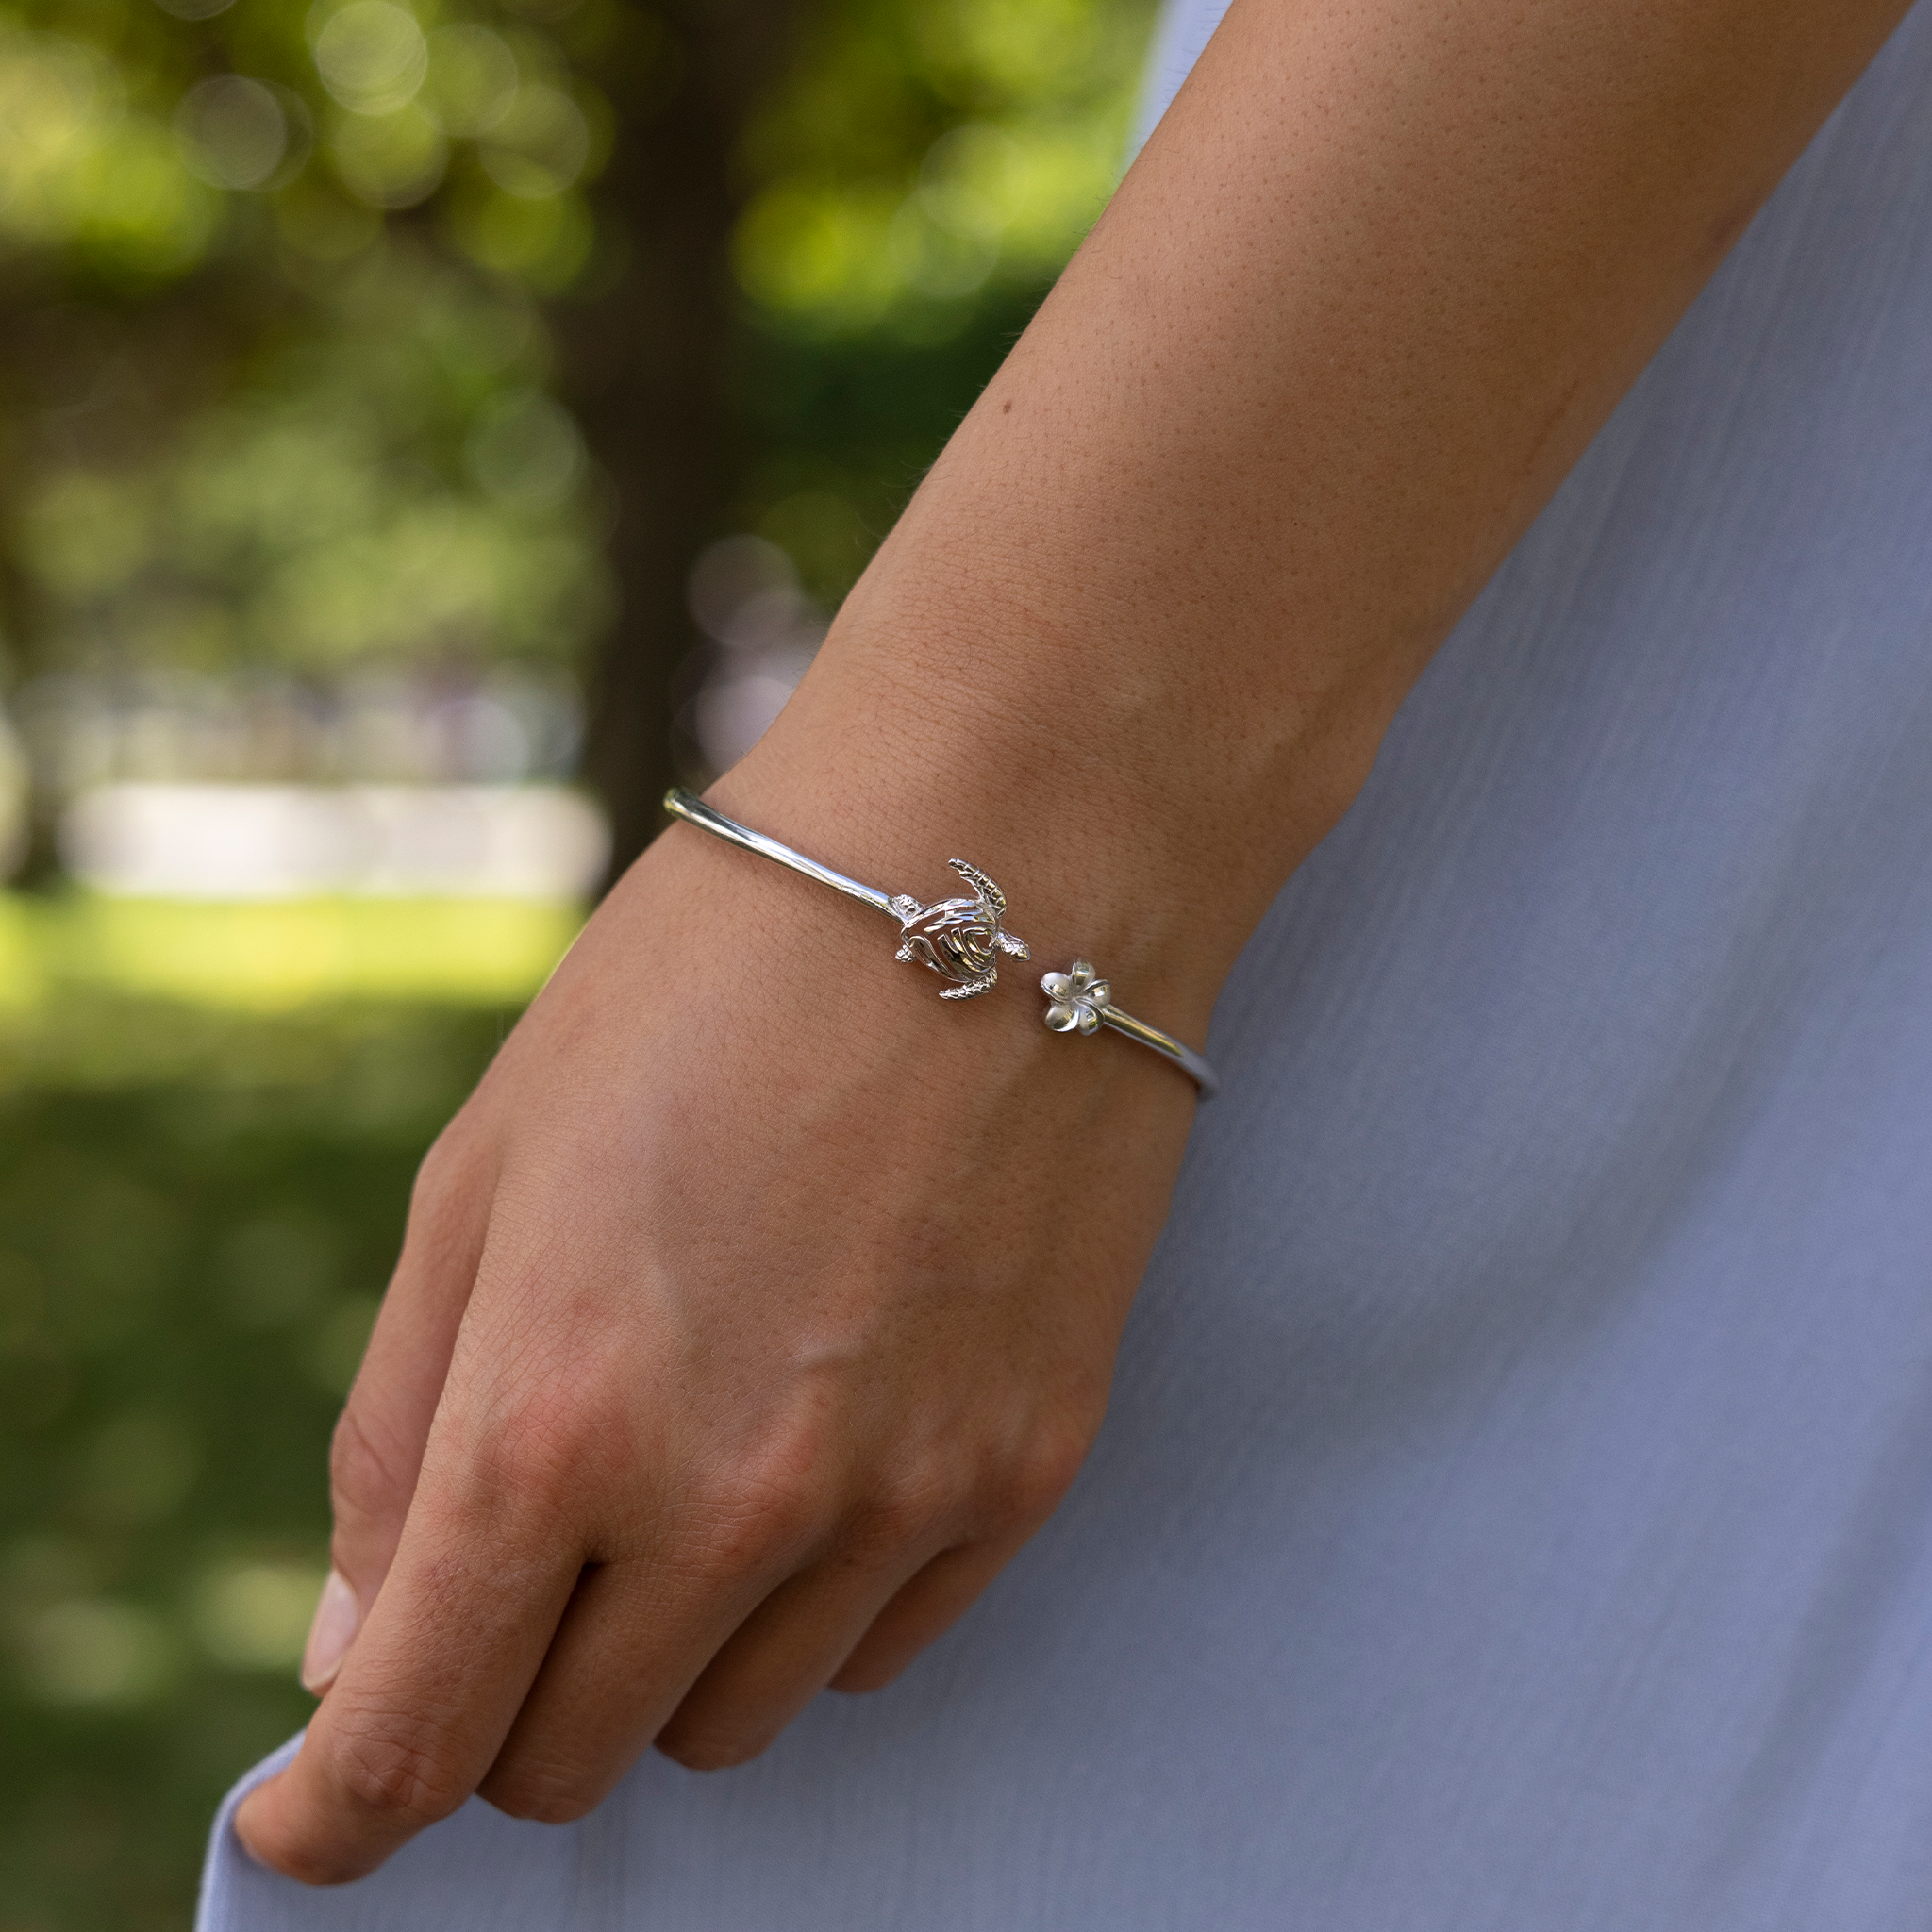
(233, 132)
(371, 53)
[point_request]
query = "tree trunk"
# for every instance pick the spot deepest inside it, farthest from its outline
(646, 366)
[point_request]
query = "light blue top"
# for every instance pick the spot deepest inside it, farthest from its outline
(1516, 1510)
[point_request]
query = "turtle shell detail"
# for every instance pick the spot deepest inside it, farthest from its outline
(960, 940)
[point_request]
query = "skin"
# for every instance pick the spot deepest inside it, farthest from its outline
(757, 1306)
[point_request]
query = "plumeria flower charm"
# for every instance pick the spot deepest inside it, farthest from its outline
(1075, 999)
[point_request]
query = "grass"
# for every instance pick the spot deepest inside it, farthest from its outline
(210, 1117)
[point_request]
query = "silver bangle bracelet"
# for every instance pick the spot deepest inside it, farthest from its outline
(961, 939)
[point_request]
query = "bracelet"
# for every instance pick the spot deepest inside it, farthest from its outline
(961, 939)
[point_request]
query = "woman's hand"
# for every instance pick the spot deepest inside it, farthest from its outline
(751, 1315)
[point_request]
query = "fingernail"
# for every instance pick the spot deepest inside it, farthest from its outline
(338, 1617)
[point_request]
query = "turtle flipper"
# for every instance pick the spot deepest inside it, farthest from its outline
(987, 892)
(970, 992)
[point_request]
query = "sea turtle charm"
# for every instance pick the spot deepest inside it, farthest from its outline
(958, 939)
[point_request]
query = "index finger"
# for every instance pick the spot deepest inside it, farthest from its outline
(429, 1691)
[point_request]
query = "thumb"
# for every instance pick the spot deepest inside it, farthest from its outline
(377, 1451)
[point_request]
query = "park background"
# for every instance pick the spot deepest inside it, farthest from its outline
(425, 431)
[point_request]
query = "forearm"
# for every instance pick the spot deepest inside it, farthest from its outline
(1381, 273)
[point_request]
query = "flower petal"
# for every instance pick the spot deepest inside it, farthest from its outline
(1061, 1017)
(1057, 986)
(1084, 974)
(1098, 994)
(1088, 1019)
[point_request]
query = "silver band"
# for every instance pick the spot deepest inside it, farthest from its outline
(693, 810)
(960, 940)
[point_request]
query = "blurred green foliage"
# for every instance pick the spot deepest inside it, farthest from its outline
(200, 1198)
(917, 155)
(275, 276)
(256, 413)
(290, 290)
(914, 185)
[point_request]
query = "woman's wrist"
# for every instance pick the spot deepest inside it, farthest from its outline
(894, 807)
(1120, 831)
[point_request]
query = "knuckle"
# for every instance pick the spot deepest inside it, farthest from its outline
(750, 1521)
(395, 1775)
(450, 1182)
(908, 1506)
(552, 1445)
(443, 1170)
(1031, 1486)
(775, 1498)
